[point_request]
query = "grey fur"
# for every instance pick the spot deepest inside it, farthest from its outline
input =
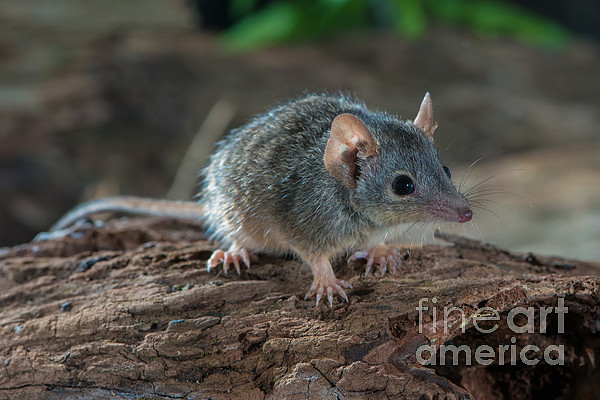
(267, 187)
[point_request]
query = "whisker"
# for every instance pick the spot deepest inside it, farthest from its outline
(449, 145)
(467, 174)
(471, 145)
(492, 177)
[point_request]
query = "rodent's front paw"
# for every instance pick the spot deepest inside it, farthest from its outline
(328, 285)
(382, 255)
(229, 257)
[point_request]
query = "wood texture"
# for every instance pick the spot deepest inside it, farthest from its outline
(128, 311)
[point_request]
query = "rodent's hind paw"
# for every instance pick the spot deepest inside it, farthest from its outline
(329, 287)
(229, 257)
(383, 255)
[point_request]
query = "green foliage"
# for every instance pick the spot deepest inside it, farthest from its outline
(305, 20)
(286, 21)
(495, 18)
(410, 18)
(240, 8)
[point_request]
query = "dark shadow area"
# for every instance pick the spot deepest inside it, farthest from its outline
(577, 379)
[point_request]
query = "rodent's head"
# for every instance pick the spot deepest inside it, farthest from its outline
(393, 169)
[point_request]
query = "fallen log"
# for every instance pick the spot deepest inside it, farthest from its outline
(128, 310)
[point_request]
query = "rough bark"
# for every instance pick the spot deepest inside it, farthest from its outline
(128, 310)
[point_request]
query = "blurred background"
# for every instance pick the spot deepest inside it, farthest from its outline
(103, 98)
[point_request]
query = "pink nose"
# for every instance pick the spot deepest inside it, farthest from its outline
(465, 215)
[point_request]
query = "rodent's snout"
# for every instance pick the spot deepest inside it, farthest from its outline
(465, 215)
(450, 213)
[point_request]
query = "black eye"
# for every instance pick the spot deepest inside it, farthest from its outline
(447, 171)
(403, 185)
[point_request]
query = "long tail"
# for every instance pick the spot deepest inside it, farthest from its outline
(187, 210)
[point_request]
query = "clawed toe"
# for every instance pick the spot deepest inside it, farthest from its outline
(228, 258)
(328, 288)
(383, 256)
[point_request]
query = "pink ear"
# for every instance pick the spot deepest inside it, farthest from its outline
(348, 141)
(424, 119)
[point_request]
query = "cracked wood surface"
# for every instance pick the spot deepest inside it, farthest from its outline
(128, 311)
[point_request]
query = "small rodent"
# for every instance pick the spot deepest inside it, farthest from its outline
(318, 176)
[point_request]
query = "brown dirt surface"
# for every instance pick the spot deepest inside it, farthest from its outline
(128, 310)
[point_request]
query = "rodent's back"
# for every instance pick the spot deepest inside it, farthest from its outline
(267, 186)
